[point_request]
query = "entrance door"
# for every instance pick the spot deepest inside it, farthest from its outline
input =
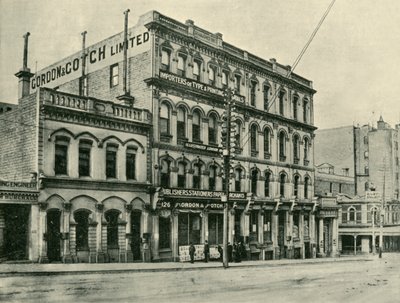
(53, 235)
(135, 230)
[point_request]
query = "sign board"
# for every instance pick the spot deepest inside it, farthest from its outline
(194, 193)
(373, 196)
(197, 146)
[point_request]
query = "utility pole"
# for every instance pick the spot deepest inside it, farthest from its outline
(228, 153)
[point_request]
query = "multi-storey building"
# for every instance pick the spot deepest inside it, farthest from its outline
(124, 139)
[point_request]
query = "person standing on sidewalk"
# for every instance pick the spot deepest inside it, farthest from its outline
(206, 251)
(192, 250)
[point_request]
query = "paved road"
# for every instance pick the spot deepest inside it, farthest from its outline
(356, 281)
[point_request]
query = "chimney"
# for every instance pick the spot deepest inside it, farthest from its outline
(24, 74)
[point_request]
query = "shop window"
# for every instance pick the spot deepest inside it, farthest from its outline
(296, 186)
(131, 162)
(181, 124)
(253, 223)
(266, 97)
(254, 179)
(189, 228)
(114, 75)
(294, 105)
(182, 175)
(212, 75)
(282, 181)
(253, 139)
(196, 70)
(282, 146)
(305, 111)
(111, 161)
(164, 231)
(165, 173)
(238, 178)
(237, 83)
(215, 229)
(165, 60)
(281, 103)
(212, 129)
(267, 143)
(61, 155)
(165, 116)
(82, 230)
(296, 149)
(267, 226)
(306, 184)
(212, 178)
(253, 88)
(181, 70)
(112, 228)
(196, 126)
(267, 189)
(197, 175)
(84, 157)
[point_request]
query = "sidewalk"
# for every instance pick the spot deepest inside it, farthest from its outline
(85, 268)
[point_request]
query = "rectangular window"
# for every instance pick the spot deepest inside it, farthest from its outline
(268, 226)
(131, 163)
(189, 228)
(215, 229)
(181, 66)
(225, 77)
(61, 156)
(340, 188)
(111, 161)
(253, 93)
(282, 103)
(196, 70)
(165, 60)
(84, 158)
(237, 83)
(164, 230)
(253, 224)
(114, 75)
(211, 178)
(211, 75)
(266, 97)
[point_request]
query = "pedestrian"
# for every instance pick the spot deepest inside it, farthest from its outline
(230, 250)
(206, 251)
(192, 250)
(220, 252)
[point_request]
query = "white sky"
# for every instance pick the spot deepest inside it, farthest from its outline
(353, 61)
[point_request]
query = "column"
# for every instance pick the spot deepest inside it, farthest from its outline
(73, 155)
(231, 226)
(173, 128)
(274, 234)
(204, 224)
(204, 131)
(175, 247)
(67, 258)
(301, 234)
(355, 244)
(122, 241)
(42, 233)
(189, 125)
(260, 145)
(289, 234)
(34, 237)
(312, 234)
(93, 241)
(155, 236)
(260, 236)
(129, 255)
(321, 237)
(335, 236)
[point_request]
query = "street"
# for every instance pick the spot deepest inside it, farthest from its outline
(354, 281)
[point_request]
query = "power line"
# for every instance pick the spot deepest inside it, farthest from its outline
(298, 58)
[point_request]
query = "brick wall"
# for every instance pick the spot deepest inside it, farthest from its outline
(18, 134)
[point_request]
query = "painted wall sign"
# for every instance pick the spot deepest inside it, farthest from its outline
(200, 193)
(373, 196)
(196, 146)
(197, 85)
(99, 55)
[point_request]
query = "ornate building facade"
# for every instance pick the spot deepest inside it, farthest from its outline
(125, 149)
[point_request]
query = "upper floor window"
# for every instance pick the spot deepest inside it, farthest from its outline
(282, 146)
(111, 160)
(197, 175)
(366, 170)
(267, 190)
(237, 82)
(238, 135)
(164, 119)
(294, 104)
(196, 69)
(84, 157)
(282, 103)
(182, 175)
(212, 178)
(352, 214)
(238, 178)
(114, 75)
(254, 179)
(196, 126)
(365, 140)
(165, 173)
(266, 97)
(225, 77)
(296, 149)
(267, 142)
(305, 111)
(282, 181)
(306, 184)
(165, 60)
(181, 123)
(253, 88)
(131, 162)
(306, 149)
(212, 75)
(181, 70)
(253, 138)
(296, 186)
(212, 129)
(61, 155)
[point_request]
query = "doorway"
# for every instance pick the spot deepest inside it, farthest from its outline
(135, 230)
(53, 235)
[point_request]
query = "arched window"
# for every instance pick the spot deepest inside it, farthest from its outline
(239, 135)
(294, 105)
(305, 111)
(165, 173)
(196, 126)
(225, 77)
(130, 162)
(196, 69)
(238, 178)
(306, 184)
(253, 87)
(267, 184)
(82, 230)
(267, 143)
(112, 228)
(352, 214)
(266, 97)
(254, 179)
(181, 123)
(253, 139)
(306, 149)
(282, 146)
(181, 70)
(165, 59)
(197, 175)
(182, 175)
(282, 103)
(296, 186)
(212, 129)
(211, 75)
(212, 178)
(296, 149)
(61, 155)
(282, 181)
(164, 119)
